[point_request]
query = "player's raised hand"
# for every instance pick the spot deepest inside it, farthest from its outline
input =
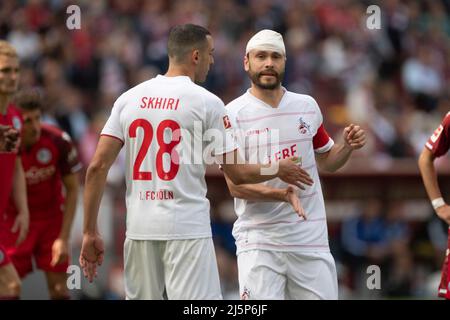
(290, 172)
(60, 251)
(91, 256)
(354, 136)
(292, 198)
(21, 225)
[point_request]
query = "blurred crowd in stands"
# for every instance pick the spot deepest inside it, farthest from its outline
(392, 80)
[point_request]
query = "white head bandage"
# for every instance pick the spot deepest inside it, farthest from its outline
(266, 40)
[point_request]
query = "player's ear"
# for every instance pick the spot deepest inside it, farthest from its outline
(246, 62)
(195, 56)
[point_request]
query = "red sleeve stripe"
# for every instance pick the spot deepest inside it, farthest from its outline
(321, 138)
(326, 147)
(117, 138)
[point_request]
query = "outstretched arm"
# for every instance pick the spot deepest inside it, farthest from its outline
(337, 156)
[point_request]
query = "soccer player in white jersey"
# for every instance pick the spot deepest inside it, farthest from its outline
(281, 231)
(168, 244)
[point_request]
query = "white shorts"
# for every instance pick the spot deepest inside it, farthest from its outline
(184, 269)
(272, 275)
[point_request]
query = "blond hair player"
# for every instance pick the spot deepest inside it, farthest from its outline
(12, 176)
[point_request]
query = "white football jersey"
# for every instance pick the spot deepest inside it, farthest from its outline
(161, 123)
(296, 130)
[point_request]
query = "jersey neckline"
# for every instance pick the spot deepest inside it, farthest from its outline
(174, 79)
(280, 104)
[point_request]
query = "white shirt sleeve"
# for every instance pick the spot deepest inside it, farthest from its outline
(112, 126)
(220, 124)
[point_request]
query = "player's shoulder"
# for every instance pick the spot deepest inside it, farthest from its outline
(238, 104)
(133, 91)
(211, 103)
(300, 97)
(14, 110)
(303, 101)
(446, 120)
(207, 95)
(14, 113)
(54, 133)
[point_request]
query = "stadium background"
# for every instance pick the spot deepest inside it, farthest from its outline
(393, 81)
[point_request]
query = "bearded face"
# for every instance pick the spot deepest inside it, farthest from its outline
(265, 68)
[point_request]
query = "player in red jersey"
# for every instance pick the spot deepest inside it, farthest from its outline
(11, 171)
(50, 162)
(436, 146)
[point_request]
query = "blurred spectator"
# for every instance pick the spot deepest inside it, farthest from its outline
(222, 225)
(400, 274)
(422, 78)
(364, 242)
(364, 236)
